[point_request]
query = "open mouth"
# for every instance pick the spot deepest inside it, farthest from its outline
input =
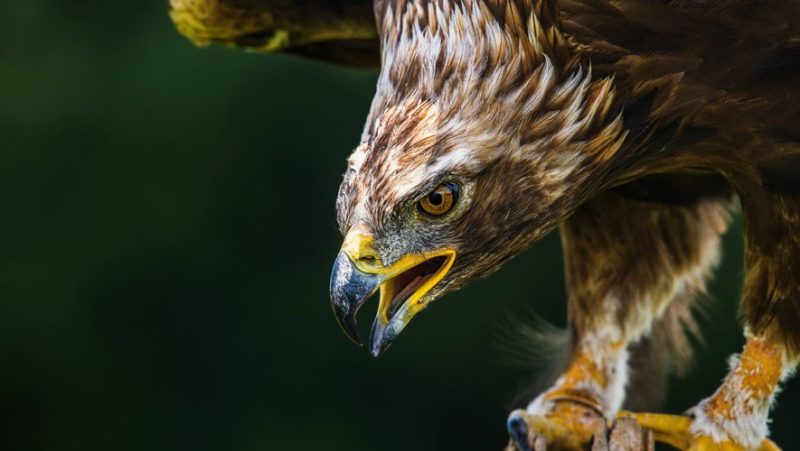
(404, 287)
(411, 285)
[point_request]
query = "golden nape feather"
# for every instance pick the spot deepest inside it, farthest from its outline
(634, 126)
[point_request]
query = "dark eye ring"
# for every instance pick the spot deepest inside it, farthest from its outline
(439, 201)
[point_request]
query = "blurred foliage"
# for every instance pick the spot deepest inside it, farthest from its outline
(167, 235)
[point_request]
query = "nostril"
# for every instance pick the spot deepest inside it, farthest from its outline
(368, 261)
(359, 248)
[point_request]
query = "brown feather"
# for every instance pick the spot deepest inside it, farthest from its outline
(676, 87)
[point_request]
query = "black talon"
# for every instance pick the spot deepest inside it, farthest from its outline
(518, 430)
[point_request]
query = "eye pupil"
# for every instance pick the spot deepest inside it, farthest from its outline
(435, 198)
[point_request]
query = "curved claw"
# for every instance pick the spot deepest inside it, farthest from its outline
(672, 430)
(518, 431)
(675, 430)
(532, 432)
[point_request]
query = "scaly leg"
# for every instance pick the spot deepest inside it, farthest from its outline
(632, 264)
(567, 414)
(736, 416)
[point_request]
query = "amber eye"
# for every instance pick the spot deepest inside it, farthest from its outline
(440, 200)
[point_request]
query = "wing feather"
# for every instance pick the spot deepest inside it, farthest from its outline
(699, 56)
(341, 31)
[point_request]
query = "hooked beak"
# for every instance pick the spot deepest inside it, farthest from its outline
(357, 275)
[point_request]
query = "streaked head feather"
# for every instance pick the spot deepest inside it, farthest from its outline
(487, 94)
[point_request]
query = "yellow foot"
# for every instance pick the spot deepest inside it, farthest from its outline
(675, 430)
(568, 425)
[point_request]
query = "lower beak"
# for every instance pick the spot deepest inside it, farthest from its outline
(403, 287)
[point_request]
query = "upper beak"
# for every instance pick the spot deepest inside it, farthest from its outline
(358, 273)
(350, 287)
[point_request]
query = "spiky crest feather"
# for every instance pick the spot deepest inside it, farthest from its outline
(460, 89)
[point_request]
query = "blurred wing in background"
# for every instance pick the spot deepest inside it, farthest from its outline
(338, 31)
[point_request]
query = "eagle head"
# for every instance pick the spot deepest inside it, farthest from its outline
(480, 139)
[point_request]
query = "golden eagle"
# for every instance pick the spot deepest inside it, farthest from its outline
(636, 126)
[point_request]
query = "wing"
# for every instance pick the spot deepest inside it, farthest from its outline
(682, 57)
(339, 31)
(701, 57)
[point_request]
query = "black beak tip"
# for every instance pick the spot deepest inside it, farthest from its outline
(356, 339)
(352, 333)
(348, 324)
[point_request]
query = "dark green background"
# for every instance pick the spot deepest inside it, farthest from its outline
(166, 238)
